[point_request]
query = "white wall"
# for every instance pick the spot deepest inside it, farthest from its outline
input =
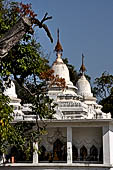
(52, 135)
(87, 136)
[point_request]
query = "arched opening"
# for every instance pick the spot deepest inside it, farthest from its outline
(101, 155)
(17, 155)
(1, 156)
(74, 153)
(64, 153)
(42, 155)
(57, 150)
(93, 153)
(83, 153)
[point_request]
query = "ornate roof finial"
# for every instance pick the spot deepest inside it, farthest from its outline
(82, 68)
(58, 34)
(58, 47)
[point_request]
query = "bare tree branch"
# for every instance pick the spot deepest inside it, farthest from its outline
(44, 26)
(45, 17)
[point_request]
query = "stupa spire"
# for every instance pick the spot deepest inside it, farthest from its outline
(58, 47)
(82, 68)
(58, 34)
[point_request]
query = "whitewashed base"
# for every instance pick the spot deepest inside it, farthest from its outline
(55, 167)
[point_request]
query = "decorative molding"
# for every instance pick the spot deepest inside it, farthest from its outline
(56, 135)
(87, 143)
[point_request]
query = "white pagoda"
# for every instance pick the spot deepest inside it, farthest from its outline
(80, 136)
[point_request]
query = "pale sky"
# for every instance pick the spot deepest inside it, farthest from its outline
(86, 26)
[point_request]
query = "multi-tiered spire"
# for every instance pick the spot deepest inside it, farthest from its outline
(58, 47)
(82, 68)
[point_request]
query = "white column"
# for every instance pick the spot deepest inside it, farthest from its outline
(111, 143)
(106, 145)
(35, 153)
(79, 154)
(69, 145)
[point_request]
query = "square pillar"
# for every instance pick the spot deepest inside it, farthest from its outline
(106, 147)
(35, 153)
(69, 145)
(108, 144)
(111, 143)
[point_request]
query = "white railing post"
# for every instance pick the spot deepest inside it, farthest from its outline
(35, 153)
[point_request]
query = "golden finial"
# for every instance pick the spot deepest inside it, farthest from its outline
(58, 47)
(82, 68)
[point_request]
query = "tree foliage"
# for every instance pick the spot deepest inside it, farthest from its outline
(104, 84)
(104, 91)
(107, 104)
(24, 64)
(10, 135)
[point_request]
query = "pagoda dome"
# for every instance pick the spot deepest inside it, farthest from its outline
(84, 88)
(61, 70)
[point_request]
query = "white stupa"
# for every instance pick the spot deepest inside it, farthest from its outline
(10, 91)
(14, 101)
(80, 136)
(61, 70)
(83, 86)
(84, 89)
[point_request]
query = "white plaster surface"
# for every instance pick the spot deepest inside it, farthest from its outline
(87, 136)
(52, 135)
(106, 145)
(61, 69)
(84, 88)
(111, 143)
